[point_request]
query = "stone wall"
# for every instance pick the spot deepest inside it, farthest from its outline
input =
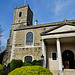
(21, 49)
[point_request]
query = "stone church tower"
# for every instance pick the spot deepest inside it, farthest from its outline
(23, 16)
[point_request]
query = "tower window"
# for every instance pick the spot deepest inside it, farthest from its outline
(20, 14)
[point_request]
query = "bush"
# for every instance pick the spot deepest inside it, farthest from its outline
(1, 70)
(37, 62)
(34, 62)
(27, 64)
(8, 65)
(31, 70)
(15, 64)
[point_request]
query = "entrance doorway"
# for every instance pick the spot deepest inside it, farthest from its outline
(68, 59)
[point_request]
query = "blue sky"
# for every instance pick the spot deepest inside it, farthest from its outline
(45, 11)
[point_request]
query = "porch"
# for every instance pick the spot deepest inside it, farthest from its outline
(59, 55)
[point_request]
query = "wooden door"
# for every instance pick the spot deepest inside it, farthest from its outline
(66, 65)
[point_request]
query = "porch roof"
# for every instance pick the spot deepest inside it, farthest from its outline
(61, 29)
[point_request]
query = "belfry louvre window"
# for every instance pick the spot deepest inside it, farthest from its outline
(54, 56)
(29, 38)
(28, 58)
(20, 14)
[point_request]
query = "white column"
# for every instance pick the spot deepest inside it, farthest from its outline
(44, 53)
(59, 54)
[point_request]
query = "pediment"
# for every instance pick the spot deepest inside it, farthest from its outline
(61, 29)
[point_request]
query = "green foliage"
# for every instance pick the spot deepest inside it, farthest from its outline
(1, 70)
(27, 64)
(37, 62)
(1, 67)
(31, 70)
(15, 64)
(8, 65)
(1, 56)
(34, 62)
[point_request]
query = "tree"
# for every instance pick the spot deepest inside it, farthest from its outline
(1, 56)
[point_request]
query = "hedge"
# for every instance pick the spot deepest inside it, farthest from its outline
(15, 64)
(27, 64)
(37, 62)
(34, 63)
(1, 70)
(31, 70)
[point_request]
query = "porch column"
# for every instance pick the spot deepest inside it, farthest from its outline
(59, 56)
(44, 52)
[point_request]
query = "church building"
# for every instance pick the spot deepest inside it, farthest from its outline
(54, 41)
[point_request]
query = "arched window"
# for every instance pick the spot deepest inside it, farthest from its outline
(29, 38)
(27, 58)
(20, 14)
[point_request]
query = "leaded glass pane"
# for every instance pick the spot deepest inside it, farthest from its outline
(29, 37)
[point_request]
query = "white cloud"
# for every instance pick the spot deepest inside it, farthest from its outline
(60, 6)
